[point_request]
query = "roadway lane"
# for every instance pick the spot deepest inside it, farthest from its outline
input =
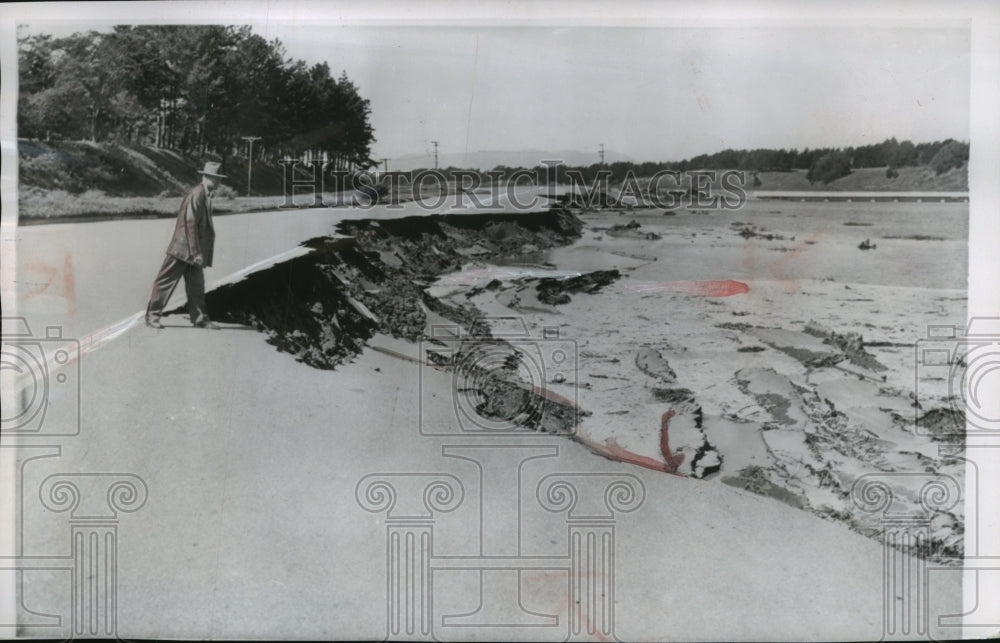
(84, 277)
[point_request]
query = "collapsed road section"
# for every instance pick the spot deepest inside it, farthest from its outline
(372, 277)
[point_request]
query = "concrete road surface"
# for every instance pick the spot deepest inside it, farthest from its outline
(192, 483)
(85, 276)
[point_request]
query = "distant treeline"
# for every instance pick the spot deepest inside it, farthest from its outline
(821, 164)
(888, 153)
(194, 89)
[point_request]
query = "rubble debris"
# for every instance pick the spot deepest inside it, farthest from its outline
(943, 425)
(630, 230)
(754, 479)
(502, 396)
(651, 362)
(555, 291)
(673, 395)
(751, 232)
(851, 344)
(631, 225)
(324, 306)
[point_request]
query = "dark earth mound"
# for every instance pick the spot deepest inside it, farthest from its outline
(554, 291)
(324, 306)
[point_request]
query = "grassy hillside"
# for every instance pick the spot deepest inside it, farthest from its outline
(125, 170)
(86, 180)
(83, 180)
(910, 179)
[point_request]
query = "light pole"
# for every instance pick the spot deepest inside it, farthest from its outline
(250, 140)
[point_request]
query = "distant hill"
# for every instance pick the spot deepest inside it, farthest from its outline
(911, 179)
(136, 170)
(489, 159)
(143, 170)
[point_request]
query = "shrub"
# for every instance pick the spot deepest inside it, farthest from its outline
(46, 167)
(891, 173)
(952, 154)
(829, 167)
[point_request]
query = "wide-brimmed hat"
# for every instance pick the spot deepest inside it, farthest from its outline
(212, 169)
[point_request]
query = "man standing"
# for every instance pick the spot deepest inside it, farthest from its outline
(189, 253)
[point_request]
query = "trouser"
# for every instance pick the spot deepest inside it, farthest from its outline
(194, 286)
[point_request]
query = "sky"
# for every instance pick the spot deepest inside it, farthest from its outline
(651, 94)
(659, 93)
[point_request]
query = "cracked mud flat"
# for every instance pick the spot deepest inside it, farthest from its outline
(780, 363)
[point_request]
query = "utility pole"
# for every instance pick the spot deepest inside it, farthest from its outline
(602, 153)
(250, 140)
(385, 165)
(435, 144)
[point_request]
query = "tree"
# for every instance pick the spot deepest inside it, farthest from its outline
(805, 159)
(67, 85)
(829, 167)
(192, 88)
(952, 154)
(905, 155)
(55, 111)
(36, 71)
(89, 63)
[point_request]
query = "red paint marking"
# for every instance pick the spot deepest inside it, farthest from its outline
(69, 281)
(672, 462)
(591, 629)
(49, 277)
(725, 288)
(614, 451)
(49, 273)
(713, 288)
(564, 602)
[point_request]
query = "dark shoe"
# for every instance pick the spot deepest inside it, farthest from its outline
(153, 322)
(207, 324)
